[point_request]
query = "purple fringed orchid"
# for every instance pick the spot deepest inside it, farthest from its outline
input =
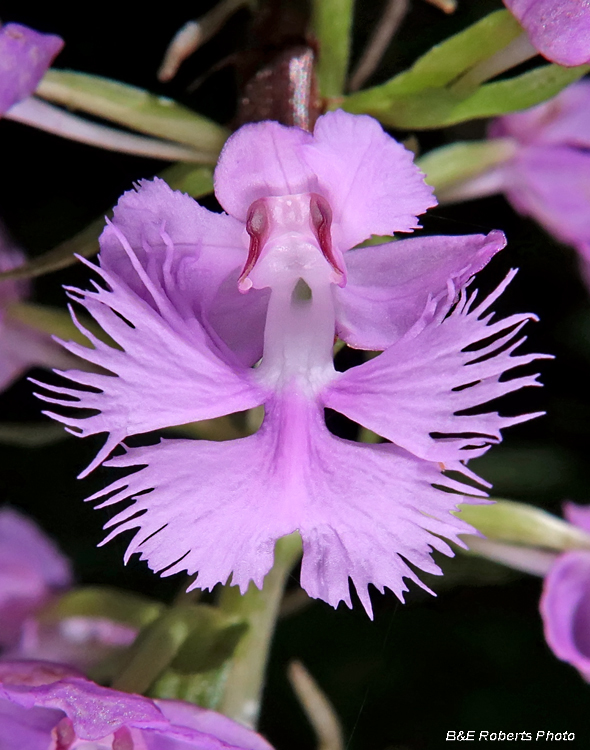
(45, 706)
(548, 177)
(558, 29)
(215, 314)
(25, 55)
(565, 603)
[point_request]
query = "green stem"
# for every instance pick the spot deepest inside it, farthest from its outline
(259, 607)
(331, 24)
(153, 651)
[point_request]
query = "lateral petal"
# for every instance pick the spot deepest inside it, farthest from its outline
(167, 371)
(416, 392)
(171, 234)
(389, 285)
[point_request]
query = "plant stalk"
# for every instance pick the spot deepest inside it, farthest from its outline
(260, 608)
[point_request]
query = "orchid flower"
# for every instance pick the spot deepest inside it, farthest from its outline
(49, 706)
(25, 55)
(549, 176)
(533, 541)
(219, 313)
(565, 603)
(543, 169)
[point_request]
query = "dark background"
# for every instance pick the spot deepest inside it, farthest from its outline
(472, 658)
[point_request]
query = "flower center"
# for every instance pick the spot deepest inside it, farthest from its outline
(291, 252)
(290, 235)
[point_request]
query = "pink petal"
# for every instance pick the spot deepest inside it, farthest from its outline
(565, 608)
(26, 728)
(359, 508)
(561, 121)
(579, 515)
(261, 160)
(552, 184)
(181, 714)
(38, 698)
(95, 712)
(369, 179)
(389, 285)
(559, 29)
(25, 55)
(421, 384)
(209, 252)
(167, 371)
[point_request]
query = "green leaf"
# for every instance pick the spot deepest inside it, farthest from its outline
(212, 641)
(186, 639)
(519, 523)
(31, 435)
(449, 165)
(85, 243)
(203, 689)
(441, 65)
(378, 239)
(513, 94)
(331, 24)
(425, 95)
(134, 108)
(154, 649)
(195, 181)
(56, 322)
(103, 601)
(435, 108)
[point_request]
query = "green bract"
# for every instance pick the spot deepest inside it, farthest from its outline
(450, 165)
(134, 108)
(519, 523)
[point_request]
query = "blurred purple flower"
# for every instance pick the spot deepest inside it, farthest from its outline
(558, 29)
(25, 55)
(45, 706)
(195, 299)
(565, 602)
(32, 571)
(549, 176)
(21, 347)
